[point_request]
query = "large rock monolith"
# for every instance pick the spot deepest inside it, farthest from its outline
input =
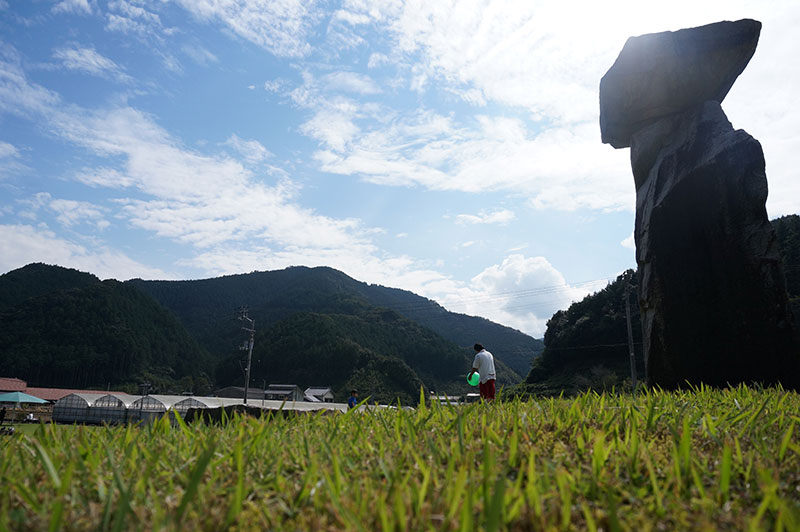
(712, 290)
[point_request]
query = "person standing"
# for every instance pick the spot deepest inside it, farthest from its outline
(353, 401)
(484, 365)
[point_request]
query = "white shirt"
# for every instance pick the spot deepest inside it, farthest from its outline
(484, 362)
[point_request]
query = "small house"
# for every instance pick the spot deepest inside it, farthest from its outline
(237, 392)
(283, 392)
(323, 394)
(12, 384)
(447, 399)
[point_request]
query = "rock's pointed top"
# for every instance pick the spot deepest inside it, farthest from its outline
(659, 74)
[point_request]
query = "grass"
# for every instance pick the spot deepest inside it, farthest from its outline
(29, 429)
(692, 460)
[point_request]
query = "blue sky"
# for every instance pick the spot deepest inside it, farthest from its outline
(448, 148)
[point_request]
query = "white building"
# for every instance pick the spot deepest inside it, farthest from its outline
(323, 394)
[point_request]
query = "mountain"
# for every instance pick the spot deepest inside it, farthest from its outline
(374, 350)
(587, 344)
(38, 279)
(93, 335)
(514, 348)
(315, 326)
(206, 307)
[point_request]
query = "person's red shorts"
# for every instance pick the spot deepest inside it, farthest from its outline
(487, 389)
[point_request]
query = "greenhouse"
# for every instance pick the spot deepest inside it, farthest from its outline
(115, 408)
(151, 407)
(112, 408)
(92, 408)
(186, 403)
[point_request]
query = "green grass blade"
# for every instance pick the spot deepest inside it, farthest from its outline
(194, 481)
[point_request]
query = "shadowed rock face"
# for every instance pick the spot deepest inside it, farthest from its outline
(712, 290)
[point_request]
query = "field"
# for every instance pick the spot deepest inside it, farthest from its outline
(692, 460)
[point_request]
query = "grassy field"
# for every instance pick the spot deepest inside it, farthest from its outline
(695, 460)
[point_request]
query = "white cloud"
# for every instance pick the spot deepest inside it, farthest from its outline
(67, 212)
(275, 85)
(336, 129)
(521, 292)
(350, 17)
(104, 177)
(501, 217)
(129, 17)
(75, 7)
(236, 223)
(433, 151)
(32, 205)
(280, 26)
(89, 61)
(531, 54)
(252, 150)
(71, 212)
(629, 242)
(200, 55)
(133, 11)
(122, 24)
(377, 59)
(564, 168)
(23, 244)
(547, 66)
(763, 102)
(17, 96)
(9, 159)
(352, 82)
(7, 150)
(211, 202)
(334, 121)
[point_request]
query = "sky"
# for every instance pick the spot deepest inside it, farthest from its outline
(444, 147)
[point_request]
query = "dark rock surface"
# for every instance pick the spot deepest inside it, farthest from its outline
(712, 290)
(660, 74)
(711, 285)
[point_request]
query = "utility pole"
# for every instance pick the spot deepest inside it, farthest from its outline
(145, 389)
(250, 326)
(630, 332)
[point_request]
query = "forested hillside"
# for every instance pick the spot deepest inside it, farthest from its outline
(377, 351)
(38, 279)
(587, 344)
(514, 348)
(103, 334)
(207, 306)
(61, 327)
